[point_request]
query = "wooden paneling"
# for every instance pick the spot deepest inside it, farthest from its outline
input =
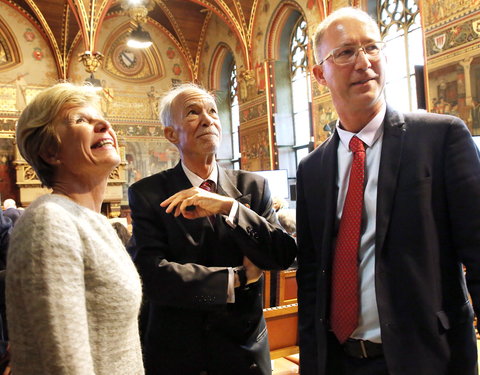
(282, 330)
(287, 288)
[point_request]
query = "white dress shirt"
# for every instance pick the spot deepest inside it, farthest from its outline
(372, 135)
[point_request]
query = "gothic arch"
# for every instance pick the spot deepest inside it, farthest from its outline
(221, 59)
(9, 53)
(280, 28)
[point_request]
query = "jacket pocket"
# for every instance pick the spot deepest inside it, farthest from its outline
(456, 315)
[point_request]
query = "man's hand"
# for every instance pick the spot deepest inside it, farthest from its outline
(195, 202)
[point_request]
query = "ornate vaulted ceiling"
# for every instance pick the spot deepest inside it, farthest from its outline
(68, 23)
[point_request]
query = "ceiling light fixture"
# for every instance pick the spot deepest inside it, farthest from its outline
(139, 38)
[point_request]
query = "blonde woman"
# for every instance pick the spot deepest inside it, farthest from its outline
(73, 294)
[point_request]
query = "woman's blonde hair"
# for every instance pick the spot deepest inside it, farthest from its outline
(36, 134)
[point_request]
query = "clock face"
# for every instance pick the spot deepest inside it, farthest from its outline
(128, 61)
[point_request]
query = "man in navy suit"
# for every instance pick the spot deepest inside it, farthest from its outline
(420, 224)
(203, 234)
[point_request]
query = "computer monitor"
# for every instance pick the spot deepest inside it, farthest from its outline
(277, 182)
(476, 139)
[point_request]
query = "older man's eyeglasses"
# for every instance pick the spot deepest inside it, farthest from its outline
(348, 54)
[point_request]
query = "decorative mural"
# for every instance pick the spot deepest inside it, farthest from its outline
(145, 157)
(436, 13)
(255, 141)
(324, 118)
(254, 146)
(456, 36)
(251, 112)
(453, 59)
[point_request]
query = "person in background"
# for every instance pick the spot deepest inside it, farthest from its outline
(279, 203)
(388, 211)
(10, 210)
(122, 232)
(73, 293)
(286, 218)
(203, 235)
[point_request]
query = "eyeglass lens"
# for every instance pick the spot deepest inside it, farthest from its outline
(347, 55)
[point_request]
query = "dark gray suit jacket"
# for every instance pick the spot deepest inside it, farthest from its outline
(191, 327)
(427, 226)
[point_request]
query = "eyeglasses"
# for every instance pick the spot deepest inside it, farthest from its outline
(348, 54)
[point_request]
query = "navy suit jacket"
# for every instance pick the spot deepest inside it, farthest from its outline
(427, 227)
(191, 327)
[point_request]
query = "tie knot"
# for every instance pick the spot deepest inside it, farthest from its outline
(356, 145)
(208, 185)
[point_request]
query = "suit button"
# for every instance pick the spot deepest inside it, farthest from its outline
(253, 366)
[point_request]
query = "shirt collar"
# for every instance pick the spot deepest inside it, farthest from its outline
(369, 134)
(197, 180)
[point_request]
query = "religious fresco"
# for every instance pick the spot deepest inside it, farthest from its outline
(456, 93)
(324, 117)
(253, 111)
(147, 157)
(436, 13)
(254, 147)
(453, 59)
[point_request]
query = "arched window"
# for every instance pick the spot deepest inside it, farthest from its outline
(400, 26)
(293, 94)
(234, 116)
(300, 89)
(224, 78)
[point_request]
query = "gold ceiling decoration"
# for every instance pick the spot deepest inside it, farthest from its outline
(91, 60)
(137, 10)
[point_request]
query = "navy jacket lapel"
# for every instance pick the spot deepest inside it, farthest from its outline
(393, 138)
(328, 172)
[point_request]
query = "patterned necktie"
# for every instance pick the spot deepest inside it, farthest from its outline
(209, 185)
(345, 295)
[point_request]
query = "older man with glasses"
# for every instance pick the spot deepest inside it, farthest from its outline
(388, 211)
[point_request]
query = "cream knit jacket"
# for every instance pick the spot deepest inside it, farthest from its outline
(73, 294)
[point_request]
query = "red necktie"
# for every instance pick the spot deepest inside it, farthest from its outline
(209, 185)
(345, 295)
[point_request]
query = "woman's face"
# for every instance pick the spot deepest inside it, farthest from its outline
(88, 143)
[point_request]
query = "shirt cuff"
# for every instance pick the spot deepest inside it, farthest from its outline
(231, 286)
(230, 219)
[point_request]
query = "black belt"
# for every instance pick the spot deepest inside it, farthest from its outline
(362, 349)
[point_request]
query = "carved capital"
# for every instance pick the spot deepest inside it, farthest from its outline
(91, 60)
